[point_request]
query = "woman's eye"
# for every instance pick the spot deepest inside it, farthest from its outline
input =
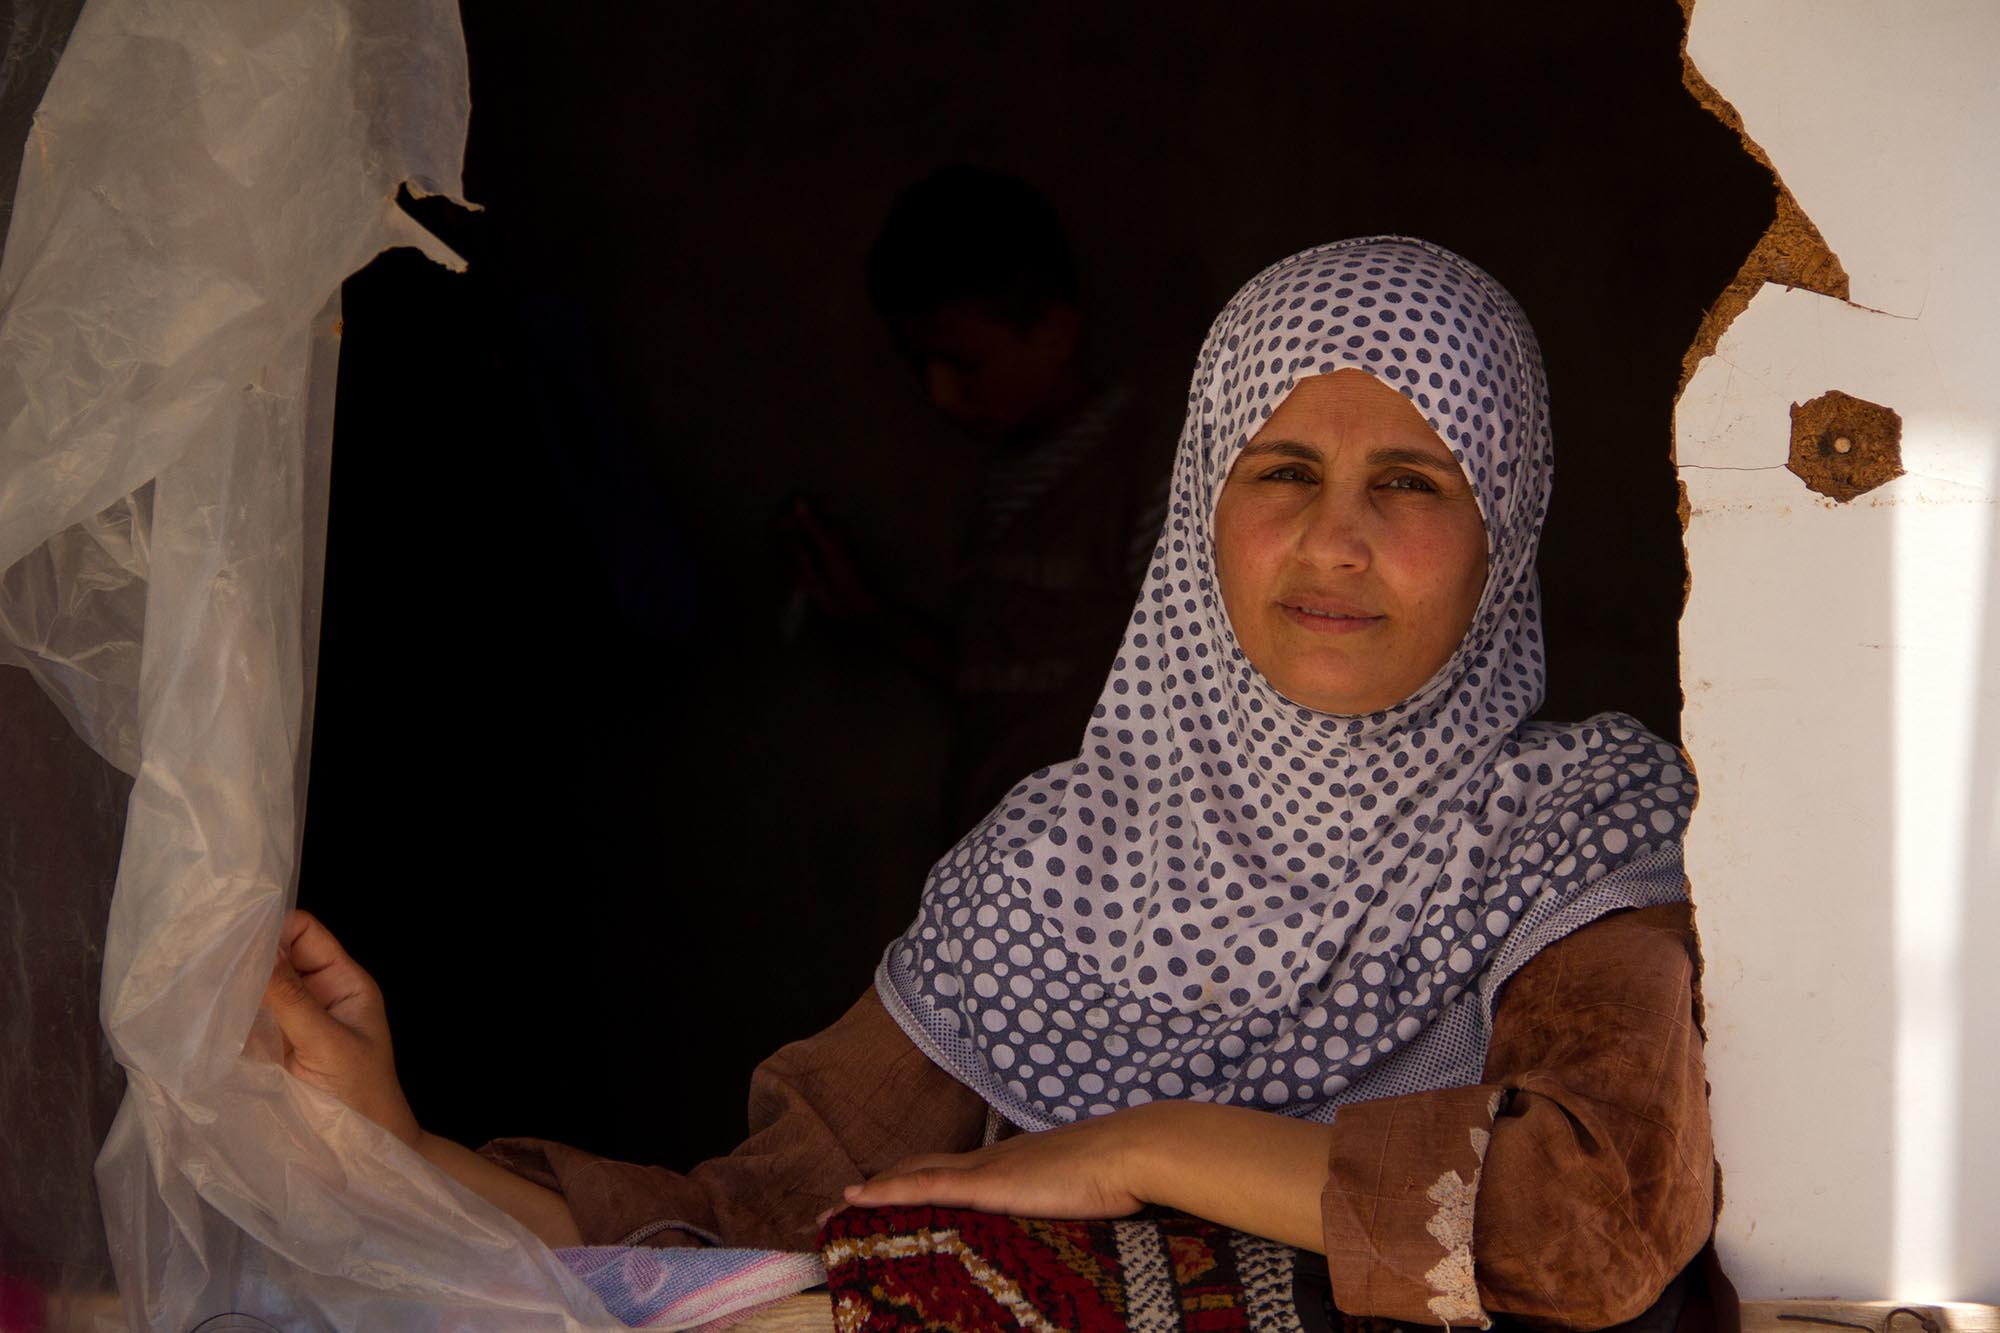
(1287, 473)
(1408, 481)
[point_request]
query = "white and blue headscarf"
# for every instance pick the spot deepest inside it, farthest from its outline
(1230, 897)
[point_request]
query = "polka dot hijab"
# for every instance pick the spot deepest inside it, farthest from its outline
(1229, 897)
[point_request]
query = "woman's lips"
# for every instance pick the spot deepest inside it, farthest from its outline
(1325, 618)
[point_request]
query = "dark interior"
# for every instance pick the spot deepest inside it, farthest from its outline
(605, 831)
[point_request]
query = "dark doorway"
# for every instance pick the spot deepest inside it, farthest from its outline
(608, 827)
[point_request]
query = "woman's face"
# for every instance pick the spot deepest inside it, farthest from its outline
(1350, 547)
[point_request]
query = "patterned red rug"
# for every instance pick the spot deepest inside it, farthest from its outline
(947, 1270)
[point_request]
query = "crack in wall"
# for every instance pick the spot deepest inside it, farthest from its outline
(1792, 253)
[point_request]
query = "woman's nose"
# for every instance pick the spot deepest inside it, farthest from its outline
(1335, 531)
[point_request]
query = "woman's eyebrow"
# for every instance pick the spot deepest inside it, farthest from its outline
(1386, 456)
(1281, 449)
(1393, 454)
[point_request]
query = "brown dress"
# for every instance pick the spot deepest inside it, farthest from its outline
(1567, 1188)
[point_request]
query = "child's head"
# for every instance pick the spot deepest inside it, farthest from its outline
(973, 275)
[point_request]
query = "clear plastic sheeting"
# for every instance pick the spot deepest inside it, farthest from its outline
(200, 177)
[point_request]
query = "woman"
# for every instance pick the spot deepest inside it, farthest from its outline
(1318, 938)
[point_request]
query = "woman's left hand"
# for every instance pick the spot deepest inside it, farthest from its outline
(1253, 1170)
(1077, 1171)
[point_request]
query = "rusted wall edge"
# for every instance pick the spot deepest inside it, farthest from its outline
(1791, 253)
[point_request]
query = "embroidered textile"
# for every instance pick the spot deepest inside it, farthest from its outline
(956, 1271)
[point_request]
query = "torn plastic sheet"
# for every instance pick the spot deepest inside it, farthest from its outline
(200, 177)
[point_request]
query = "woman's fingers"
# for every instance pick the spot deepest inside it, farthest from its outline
(301, 1017)
(1054, 1174)
(952, 1180)
(341, 986)
(330, 1013)
(948, 1187)
(320, 961)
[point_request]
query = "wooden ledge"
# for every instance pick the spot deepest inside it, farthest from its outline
(1868, 1317)
(812, 1312)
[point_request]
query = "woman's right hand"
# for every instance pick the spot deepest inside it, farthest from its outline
(336, 1033)
(337, 1039)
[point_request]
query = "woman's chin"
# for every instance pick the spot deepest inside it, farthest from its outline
(1341, 700)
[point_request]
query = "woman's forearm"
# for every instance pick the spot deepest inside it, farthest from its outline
(1256, 1171)
(540, 1210)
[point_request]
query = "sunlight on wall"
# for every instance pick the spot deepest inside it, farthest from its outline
(1940, 557)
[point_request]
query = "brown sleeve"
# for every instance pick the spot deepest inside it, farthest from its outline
(1586, 1151)
(824, 1113)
